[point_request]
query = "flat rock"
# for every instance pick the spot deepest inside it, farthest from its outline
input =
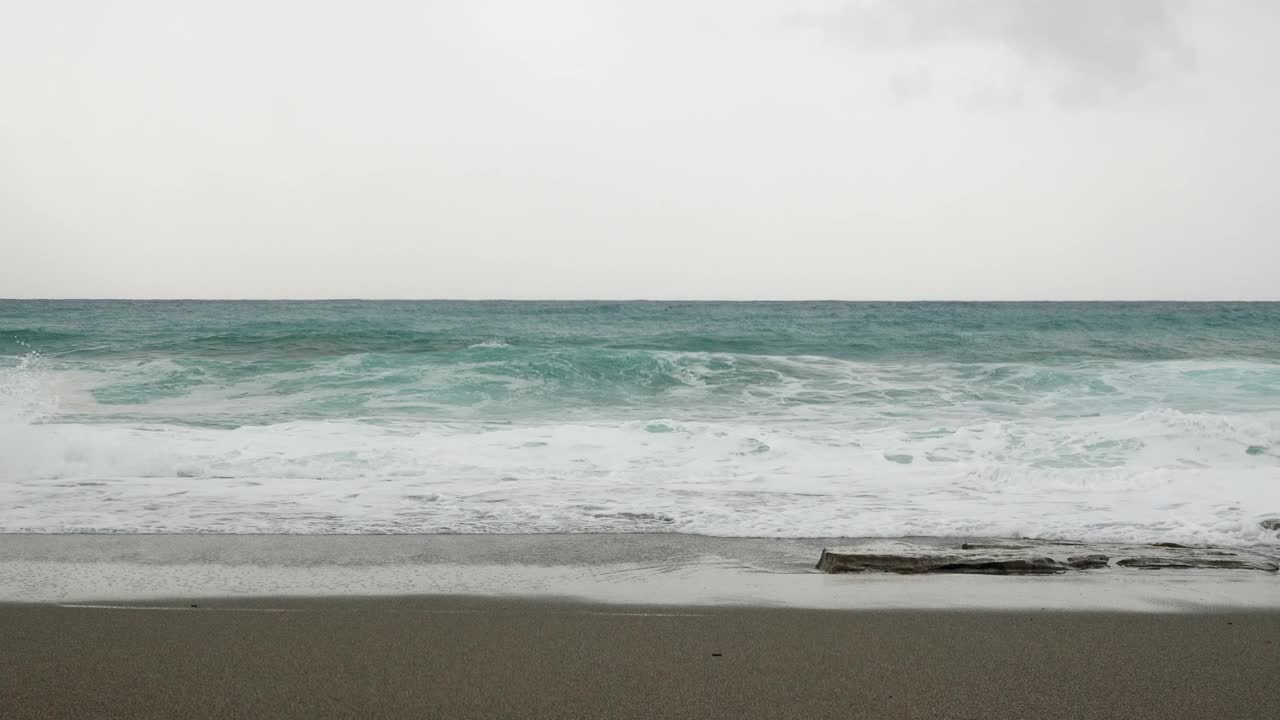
(1088, 562)
(916, 556)
(1028, 566)
(836, 561)
(1175, 563)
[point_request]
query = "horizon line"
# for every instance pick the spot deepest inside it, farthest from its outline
(618, 300)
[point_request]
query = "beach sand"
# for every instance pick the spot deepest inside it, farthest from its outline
(452, 657)
(581, 626)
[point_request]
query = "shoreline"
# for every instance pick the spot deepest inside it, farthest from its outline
(627, 627)
(645, 569)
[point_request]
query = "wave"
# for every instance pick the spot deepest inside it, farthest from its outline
(1147, 476)
(514, 383)
(1118, 423)
(726, 479)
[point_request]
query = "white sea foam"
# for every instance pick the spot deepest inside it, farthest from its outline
(488, 344)
(1084, 458)
(724, 479)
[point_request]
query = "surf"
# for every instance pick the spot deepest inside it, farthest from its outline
(723, 419)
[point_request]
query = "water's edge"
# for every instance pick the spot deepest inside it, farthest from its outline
(642, 569)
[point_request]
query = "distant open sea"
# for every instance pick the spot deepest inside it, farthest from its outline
(1132, 422)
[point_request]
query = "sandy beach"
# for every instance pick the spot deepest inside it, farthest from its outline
(581, 626)
(447, 657)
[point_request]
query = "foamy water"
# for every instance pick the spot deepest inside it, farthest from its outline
(1066, 422)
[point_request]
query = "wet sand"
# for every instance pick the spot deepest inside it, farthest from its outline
(627, 569)
(454, 657)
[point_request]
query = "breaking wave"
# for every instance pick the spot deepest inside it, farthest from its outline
(643, 418)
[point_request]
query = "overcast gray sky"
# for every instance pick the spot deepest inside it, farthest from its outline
(900, 149)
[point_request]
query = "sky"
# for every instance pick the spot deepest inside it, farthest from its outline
(661, 149)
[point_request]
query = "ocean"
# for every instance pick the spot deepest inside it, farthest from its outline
(1109, 422)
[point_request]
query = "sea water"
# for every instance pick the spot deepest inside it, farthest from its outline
(1129, 422)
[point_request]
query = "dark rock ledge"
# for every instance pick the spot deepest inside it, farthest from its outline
(1030, 557)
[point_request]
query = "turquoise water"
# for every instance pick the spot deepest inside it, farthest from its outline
(1096, 420)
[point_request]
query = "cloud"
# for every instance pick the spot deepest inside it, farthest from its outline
(910, 84)
(1091, 49)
